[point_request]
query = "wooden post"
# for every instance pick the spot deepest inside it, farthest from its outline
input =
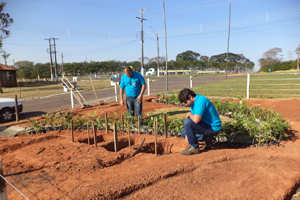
(139, 125)
(95, 135)
(72, 130)
(20, 91)
(16, 108)
(115, 138)
(155, 136)
(128, 130)
(106, 122)
(88, 132)
(3, 192)
(122, 122)
(165, 123)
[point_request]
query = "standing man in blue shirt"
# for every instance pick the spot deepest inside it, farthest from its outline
(201, 124)
(134, 84)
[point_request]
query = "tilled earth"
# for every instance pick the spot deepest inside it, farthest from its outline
(51, 166)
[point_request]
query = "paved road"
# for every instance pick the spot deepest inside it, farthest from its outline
(53, 104)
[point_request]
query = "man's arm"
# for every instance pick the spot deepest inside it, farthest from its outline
(140, 97)
(121, 97)
(195, 118)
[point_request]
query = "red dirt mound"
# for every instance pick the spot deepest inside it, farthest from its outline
(51, 166)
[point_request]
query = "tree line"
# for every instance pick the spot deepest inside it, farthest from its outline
(270, 61)
(188, 60)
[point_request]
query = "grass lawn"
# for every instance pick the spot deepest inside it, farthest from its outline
(33, 89)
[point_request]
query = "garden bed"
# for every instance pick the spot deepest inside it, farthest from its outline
(51, 166)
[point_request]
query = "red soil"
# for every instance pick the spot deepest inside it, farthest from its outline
(50, 166)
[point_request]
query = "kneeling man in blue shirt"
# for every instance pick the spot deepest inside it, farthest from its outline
(201, 124)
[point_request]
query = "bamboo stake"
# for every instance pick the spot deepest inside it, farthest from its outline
(88, 132)
(128, 130)
(72, 129)
(165, 123)
(94, 90)
(122, 122)
(115, 138)
(95, 135)
(106, 122)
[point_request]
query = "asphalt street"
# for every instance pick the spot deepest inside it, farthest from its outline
(158, 84)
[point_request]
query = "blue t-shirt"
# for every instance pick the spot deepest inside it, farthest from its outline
(133, 85)
(203, 107)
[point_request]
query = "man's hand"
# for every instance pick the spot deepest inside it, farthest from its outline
(121, 103)
(140, 98)
(188, 115)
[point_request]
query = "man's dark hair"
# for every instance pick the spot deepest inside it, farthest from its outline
(128, 68)
(184, 94)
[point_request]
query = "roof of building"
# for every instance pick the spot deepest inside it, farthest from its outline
(6, 67)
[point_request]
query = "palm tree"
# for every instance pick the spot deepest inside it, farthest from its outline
(5, 56)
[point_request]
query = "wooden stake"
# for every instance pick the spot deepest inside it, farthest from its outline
(71, 122)
(3, 192)
(95, 135)
(122, 122)
(128, 130)
(106, 122)
(139, 125)
(16, 108)
(115, 138)
(155, 136)
(88, 132)
(165, 122)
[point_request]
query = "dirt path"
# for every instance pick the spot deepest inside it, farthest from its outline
(50, 166)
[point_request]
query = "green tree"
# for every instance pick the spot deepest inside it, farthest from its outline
(26, 69)
(188, 55)
(6, 21)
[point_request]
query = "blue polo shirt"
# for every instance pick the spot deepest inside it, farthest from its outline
(203, 107)
(133, 85)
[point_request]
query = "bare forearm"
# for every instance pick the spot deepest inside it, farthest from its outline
(195, 118)
(121, 94)
(143, 89)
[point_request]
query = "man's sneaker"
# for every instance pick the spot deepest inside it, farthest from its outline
(208, 143)
(190, 151)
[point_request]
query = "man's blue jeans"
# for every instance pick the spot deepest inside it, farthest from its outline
(133, 105)
(196, 132)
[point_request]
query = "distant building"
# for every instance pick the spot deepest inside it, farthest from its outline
(8, 76)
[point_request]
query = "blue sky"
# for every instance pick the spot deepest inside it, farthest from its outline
(98, 30)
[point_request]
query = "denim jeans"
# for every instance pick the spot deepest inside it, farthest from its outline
(196, 132)
(133, 105)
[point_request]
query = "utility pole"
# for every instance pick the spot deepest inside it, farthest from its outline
(228, 39)
(158, 55)
(51, 62)
(157, 51)
(290, 54)
(142, 39)
(165, 45)
(298, 60)
(51, 66)
(56, 73)
(62, 64)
